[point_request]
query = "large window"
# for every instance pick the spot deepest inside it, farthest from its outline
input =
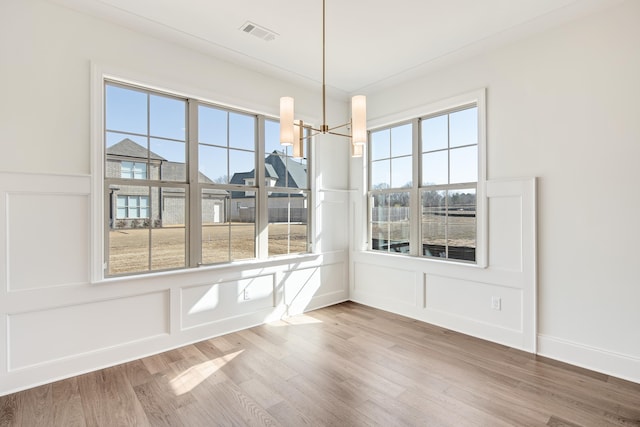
(182, 188)
(423, 185)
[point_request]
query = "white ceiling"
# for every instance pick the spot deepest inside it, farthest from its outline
(370, 43)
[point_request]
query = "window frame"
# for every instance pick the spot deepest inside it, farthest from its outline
(415, 116)
(100, 187)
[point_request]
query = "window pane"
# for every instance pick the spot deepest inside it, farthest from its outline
(126, 169)
(139, 171)
(464, 165)
(379, 224)
(126, 110)
(128, 237)
(380, 174)
(243, 241)
(434, 168)
(434, 222)
(212, 126)
(242, 226)
(241, 164)
(272, 137)
(435, 133)
(215, 225)
(401, 172)
(215, 243)
(463, 127)
(174, 166)
(168, 235)
(242, 131)
(167, 117)
(380, 144)
(461, 226)
(212, 165)
(287, 223)
(401, 140)
(296, 173)
(390, 222)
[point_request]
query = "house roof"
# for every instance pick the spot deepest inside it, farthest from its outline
(293, 174)
(129, 148)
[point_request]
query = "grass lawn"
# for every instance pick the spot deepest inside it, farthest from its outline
(129, 248)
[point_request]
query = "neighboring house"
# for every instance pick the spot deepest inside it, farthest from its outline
(283, 207)
(132, 206)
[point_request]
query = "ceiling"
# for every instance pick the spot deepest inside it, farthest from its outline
(369, 43)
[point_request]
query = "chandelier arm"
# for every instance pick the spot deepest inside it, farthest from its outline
(339, 134)
(339, 126)
(308, 127)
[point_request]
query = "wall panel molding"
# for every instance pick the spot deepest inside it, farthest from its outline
(459, 296)
(55, 322)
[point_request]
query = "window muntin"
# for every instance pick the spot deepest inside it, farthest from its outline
(149, 200)
(447, 150)
(226, 145)
(450, 147)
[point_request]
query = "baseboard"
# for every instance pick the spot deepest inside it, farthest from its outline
(596, 359)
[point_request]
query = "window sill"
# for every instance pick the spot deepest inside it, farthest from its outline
(235, 266)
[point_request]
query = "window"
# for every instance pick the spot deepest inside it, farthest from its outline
(133, 207)
(133, 170)
(423, 185)
(181, 188)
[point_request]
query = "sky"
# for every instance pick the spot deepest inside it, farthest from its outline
(449, 146)
(225, 138)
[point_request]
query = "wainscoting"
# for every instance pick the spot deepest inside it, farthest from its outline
(344, 365)
(459, 296)
(55, 322)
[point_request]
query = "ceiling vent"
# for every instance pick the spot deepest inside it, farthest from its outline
(258, 31)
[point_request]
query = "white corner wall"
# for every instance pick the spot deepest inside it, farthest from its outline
(54, 322)
(561, 106)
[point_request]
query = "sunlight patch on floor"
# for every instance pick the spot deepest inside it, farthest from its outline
(195, 375)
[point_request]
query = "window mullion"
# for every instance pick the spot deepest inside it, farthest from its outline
(261, 212)
(194, 207)
(415, 216)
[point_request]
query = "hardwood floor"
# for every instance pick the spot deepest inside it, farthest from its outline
(345, 365)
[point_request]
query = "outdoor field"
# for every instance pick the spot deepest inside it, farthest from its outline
(129, 248)
(461, 230)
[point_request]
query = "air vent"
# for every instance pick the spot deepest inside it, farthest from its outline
(258, 31)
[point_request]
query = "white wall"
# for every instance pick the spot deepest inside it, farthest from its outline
(54, 322)
(563, 107)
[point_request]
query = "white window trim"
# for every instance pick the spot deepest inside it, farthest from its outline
(477, 97)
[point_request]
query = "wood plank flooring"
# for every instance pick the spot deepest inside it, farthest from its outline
(345, 365)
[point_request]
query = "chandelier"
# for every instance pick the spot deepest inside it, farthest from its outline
(291, 130)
